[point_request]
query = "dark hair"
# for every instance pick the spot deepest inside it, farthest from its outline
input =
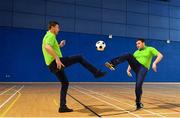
(140, 39)
(52, 24)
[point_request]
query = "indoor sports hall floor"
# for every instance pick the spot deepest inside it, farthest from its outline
(89, 100)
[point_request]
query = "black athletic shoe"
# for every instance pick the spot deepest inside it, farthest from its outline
(100, 74)
(65, 109)
(110, 66)
(139, 106)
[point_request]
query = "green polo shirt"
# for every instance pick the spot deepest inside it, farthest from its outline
(144, 56)
(50, 39)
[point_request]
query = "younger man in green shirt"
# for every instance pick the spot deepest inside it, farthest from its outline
(140, 63)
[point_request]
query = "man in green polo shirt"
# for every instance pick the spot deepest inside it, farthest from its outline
(57, 63)
(140, 63)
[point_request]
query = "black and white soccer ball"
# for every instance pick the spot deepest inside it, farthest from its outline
(100, 45)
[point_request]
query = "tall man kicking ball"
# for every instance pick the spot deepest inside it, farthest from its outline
(56, 63)
(140, 63)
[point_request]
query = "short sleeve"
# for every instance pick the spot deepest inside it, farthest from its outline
(134, 54)
(49, 40)
(154, 51)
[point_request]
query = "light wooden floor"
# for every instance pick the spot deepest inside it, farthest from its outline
(89, 100)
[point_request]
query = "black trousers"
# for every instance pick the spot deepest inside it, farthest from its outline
(60, 74)
(138, 68)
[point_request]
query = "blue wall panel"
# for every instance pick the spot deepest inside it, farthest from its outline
(175, 2)
(63, 1)
(88, 27)
(159, 9)
(5, 18)
(137, 19)
(30, 6)
(161, 34)
(28, 21)
(22, 55)
(88, 13)
(174, 12)
(175, 23)
(163, 2)
(137, 6)
(114, 16)
(6, 5)
(174, 34)
(158, 21)
(136, 31)
(148, 13)
(93, 3)
(60, 9)
(114, 29)
(114, 4)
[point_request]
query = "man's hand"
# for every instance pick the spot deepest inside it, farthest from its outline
(62, 43)
(129, 74)
(129, 71)
(59, 63)
(154, 67)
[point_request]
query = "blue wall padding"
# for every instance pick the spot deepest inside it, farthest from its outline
(21, 58)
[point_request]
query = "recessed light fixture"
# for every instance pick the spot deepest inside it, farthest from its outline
(168, 41)
(110, 36)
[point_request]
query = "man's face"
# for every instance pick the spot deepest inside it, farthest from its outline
(140, 44)
(56, 29)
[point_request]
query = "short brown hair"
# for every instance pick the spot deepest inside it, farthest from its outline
(52, 23)
(140, 39)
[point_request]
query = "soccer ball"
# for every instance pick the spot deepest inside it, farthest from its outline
(100, 45)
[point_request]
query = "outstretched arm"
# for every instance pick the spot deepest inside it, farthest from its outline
(158, 59)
